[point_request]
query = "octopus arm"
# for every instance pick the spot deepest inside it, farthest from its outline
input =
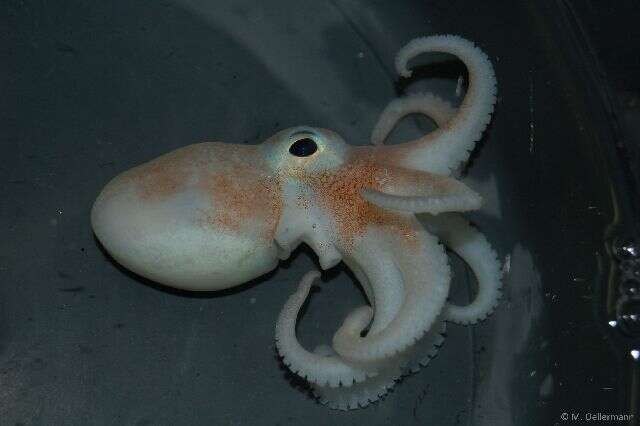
(427, 104)
(444, 149)
(360, 394)
(390, 371)
(475, 250)
(414, 296)
(421, 192)
(329, 371)
(341, 384)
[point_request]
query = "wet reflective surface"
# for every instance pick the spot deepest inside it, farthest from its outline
(90, 91)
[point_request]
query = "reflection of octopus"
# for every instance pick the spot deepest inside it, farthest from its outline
(210, 216)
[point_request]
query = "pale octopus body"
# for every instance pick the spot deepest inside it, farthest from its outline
(210, 216)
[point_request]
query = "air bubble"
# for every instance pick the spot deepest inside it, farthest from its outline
(630, 287)
(628, 315)
(626, 249)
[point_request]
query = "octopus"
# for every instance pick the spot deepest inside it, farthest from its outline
(213, 215)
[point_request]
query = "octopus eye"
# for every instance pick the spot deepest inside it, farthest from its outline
(303, 147)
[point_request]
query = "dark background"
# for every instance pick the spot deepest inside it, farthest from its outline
(90, 89)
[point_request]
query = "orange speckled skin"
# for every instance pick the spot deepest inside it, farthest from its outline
(242, 194)
(339, 192)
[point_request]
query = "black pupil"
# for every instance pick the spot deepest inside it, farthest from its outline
(303, 147)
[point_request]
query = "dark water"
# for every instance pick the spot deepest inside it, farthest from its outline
(90, 90)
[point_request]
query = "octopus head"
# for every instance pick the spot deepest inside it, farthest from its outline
(198, 218)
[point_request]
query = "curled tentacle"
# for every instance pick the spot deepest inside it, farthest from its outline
(360, 394)
(421, 280)
(475, 250)
(389, 372)
(427, 104)
(442, 150)
(325, 371)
